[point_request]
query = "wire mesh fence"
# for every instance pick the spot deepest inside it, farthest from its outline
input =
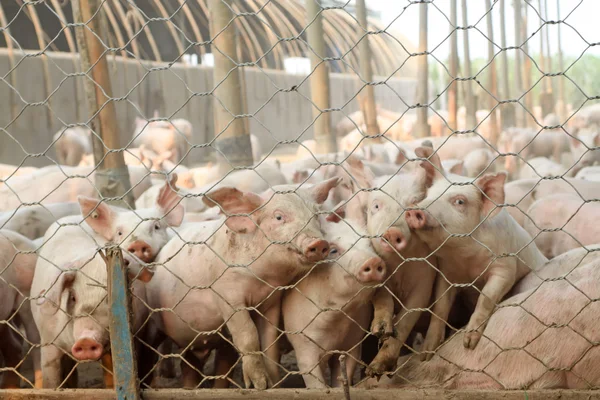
(287, 194)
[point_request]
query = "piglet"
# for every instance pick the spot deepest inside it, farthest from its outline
(476, 241)
(69, 285)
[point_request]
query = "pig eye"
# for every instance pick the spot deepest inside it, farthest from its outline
(72, 298)
(120, 233)
(156, 226)
(459, 202)
(279, 216)
(375, 207)
(333, 251)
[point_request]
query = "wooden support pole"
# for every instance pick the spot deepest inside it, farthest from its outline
(493, 78)
(422, 127)
(366, 72)
(232, 138)
(112, 175)
(471, 120)
(452, 90)
(562, 113)
(319, 78)
(519, 112)
(508, 110)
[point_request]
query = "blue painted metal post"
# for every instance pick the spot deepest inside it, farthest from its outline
(123, 353)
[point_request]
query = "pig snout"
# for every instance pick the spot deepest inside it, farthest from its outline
(141, 250)
(416, 219)
(372, 271)
(394, 237)
(87, 349)
(316, 250)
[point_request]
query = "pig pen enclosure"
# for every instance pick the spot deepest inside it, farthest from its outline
(263, 199)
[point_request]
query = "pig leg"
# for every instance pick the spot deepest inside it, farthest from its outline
(405, 322)
(383, 306)
(500, 281)
(10, 347)
(267, 325)
(51, 367)
(445, 295)
(33, 336)
(226, 357)
(246, 340)
(309, 361)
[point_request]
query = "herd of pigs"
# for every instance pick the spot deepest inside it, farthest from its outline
(434, 246)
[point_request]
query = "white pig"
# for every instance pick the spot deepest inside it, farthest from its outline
(70, 275)
(33, 221)
(17, 262)
(236, 264)
(329, 310)
(575, 219)
(72, 144)
(470, 235)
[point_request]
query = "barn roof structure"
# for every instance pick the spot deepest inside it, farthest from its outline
(269, 31)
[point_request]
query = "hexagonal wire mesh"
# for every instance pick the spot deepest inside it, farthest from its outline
(258, 253)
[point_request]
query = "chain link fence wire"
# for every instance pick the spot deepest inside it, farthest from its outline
(303, 195)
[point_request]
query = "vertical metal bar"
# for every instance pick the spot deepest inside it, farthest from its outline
(561, 67)
(471, 120)
(123, 354)
(233, 141)
(452, 90)
(319, 78)
(422, 127)
(370, 108)
(508, 115)
(519, 112)
(493, 82)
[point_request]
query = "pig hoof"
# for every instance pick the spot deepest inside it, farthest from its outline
(255, 374)
(471, 339)
(381, 330)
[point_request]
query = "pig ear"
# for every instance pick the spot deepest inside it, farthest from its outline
(458, 168)
(320, 192)
(99, 216)
(234, 201)
(360, 172)
(169, 202)
(432, 166)
(400, 158)
(300, 176)
(492, 188)
(50, 300)
(338, 214)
